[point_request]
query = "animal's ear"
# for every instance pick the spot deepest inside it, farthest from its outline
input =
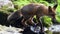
(55, 6)
(49, 8)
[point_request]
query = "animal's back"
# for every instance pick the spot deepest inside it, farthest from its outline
(33, 9)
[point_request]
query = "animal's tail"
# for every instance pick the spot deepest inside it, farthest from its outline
(14, 16)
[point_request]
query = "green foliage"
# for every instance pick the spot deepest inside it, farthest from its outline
(58, 18)
(58, 2)
(49, 32)
(47, 21)
(58, 13)
(21, 3)
(6, 10)
(58, 9)
(10, 10)
(44, 2)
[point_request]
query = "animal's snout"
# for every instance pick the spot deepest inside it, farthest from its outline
(54, 21)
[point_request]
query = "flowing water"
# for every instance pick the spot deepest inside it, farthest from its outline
(53, 29)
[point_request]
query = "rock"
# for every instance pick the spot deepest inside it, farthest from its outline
(7, 3)
(9, 30)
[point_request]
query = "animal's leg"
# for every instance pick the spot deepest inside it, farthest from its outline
(42, 19)
(30, 21)
(40, 23)
(35, 20)
(24, 22)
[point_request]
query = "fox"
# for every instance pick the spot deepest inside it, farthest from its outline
(14, 19)
(28, 11)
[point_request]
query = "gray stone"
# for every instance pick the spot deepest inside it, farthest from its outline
(7, 3)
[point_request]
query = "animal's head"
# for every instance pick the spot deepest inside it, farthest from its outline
(52, 11)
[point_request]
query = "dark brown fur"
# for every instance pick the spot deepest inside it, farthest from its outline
(39, 10)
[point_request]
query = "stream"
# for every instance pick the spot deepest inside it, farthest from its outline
(53, 29)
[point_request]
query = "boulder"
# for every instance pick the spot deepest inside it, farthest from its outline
(7, 3)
